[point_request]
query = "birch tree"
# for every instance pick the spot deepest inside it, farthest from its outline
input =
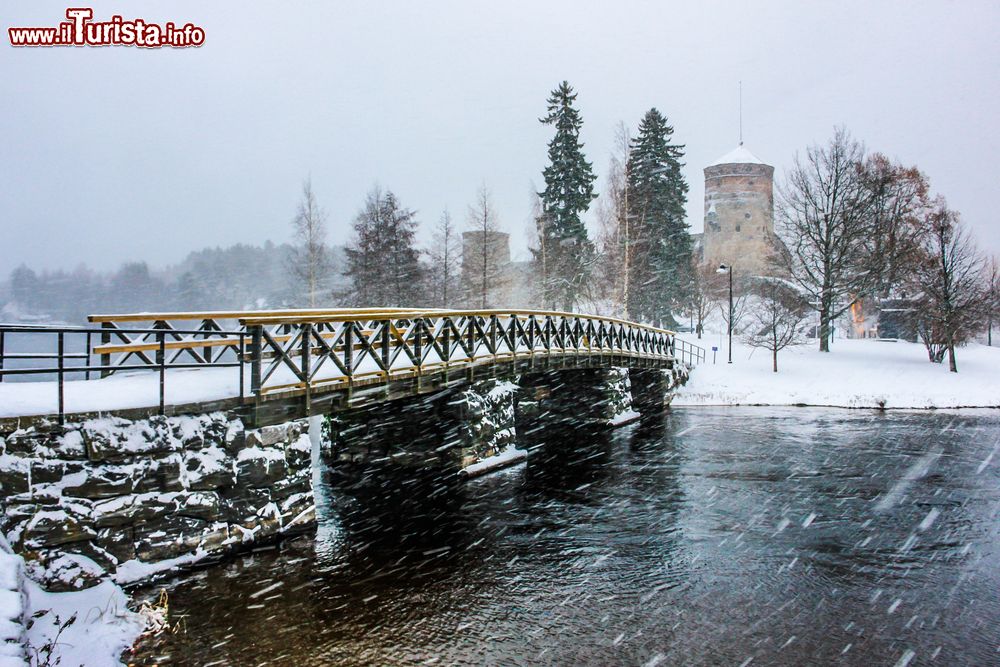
(445, 255)
(615, 241)
(309, 260)
(898, 199)
(484, 268)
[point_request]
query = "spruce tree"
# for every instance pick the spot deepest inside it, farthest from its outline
(660, 273)
(569, 189)
(383, 263)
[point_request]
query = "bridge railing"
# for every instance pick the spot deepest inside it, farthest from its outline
(63, 353)
(305, 349)
(289, 352)
(120, 346)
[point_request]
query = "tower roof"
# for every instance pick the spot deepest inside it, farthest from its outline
(738, 156)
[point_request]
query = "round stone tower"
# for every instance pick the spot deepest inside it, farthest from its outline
(739, 214)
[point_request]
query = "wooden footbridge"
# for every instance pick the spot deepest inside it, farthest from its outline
(275, 365)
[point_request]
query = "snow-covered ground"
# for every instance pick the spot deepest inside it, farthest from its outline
(855, 374)
(91, 627)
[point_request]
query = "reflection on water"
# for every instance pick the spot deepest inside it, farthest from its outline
(710, 537)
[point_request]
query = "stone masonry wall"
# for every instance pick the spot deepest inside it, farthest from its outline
(741, 233)
(455, 428)
(128, 498)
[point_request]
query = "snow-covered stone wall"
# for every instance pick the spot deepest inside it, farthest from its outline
(114, 497)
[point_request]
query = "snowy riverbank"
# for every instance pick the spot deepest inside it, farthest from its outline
(855, 374)
(101, 629)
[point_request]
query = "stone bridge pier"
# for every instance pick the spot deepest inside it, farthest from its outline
(453, 428)
(445, 430)
(553, 405)
(651, 389)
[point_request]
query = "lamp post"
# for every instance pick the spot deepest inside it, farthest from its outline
(729, 269)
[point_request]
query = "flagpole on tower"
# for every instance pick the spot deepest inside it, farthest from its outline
(741, 113)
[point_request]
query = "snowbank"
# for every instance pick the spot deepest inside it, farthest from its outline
(855, 374)
(101, 628)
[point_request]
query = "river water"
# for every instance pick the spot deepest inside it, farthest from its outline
(713, 537)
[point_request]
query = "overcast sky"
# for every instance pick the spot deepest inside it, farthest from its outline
(111, 154)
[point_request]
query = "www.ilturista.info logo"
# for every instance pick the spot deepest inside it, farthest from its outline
(80, 30)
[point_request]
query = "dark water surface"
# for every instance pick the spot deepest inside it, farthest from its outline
(715, 537)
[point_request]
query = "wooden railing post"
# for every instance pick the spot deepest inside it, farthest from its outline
(446, 339)
(305, 355)
(307, 364)
(206, 325)
(61, 364)
(471, 322)
(241, 357)
(349, 349)
(418, 342)
(105, 340)
(494, 323)
(161, 361)
(385, 345)
(256, 355)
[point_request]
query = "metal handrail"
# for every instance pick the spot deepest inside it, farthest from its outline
(158, 363)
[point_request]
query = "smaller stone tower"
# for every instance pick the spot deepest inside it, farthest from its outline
(739, 214)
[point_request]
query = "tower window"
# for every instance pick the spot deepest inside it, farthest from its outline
(746, 215)
(737, 226)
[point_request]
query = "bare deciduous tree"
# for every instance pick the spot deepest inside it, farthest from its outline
(825, 220)
(775, 318)
(740, 294)
(899, 199)
(949, 282)
(616, 249)
(309, 261)
(484, 271)
(445, 256)
(706, 292)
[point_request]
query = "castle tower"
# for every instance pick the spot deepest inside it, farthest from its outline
(739, 214)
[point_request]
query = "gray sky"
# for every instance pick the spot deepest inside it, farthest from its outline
(121, 153)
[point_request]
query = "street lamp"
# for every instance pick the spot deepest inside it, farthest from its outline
(729, 269)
